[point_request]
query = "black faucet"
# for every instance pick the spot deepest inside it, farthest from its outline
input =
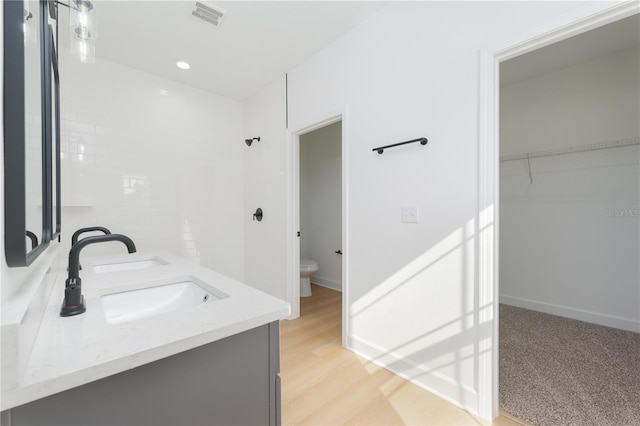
(73, 303)
(33, 237)
(74, 238)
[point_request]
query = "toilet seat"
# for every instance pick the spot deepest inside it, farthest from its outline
(308, 265)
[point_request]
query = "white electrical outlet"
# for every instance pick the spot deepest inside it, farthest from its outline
(409, 214)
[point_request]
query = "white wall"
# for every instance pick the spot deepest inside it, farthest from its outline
(411, 70)
(265, 186)
(569, 241)
(321, 202)
(166, 170)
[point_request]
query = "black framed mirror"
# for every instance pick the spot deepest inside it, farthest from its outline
(31, 131)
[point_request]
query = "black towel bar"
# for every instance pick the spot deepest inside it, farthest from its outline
(380, 150)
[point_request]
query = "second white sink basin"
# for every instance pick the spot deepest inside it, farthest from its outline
(156, 299)
(128, 265)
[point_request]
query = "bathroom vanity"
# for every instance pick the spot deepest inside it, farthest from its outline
(181, 345)
(233, 381)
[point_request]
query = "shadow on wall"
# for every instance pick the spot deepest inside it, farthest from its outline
(438, 313)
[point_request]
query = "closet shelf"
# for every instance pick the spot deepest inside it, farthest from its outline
(572, 150)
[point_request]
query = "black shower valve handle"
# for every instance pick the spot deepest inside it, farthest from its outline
(258, 215)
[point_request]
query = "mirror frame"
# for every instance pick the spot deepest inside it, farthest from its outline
(16, 251)
(56, 226)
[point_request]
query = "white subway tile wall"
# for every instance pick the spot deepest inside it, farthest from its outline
(164, 169)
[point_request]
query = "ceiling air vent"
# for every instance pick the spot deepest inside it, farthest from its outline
(209, 13)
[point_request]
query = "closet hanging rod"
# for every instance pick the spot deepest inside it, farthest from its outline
(423, 141)
(572, 150)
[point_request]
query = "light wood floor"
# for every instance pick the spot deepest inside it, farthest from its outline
(324, 384)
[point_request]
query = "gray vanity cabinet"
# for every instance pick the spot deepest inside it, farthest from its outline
(233, 381)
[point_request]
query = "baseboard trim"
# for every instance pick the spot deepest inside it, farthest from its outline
(573, 313)
(325, 282)
(432, 381)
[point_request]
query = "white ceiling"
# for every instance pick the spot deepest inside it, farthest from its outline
(619, 35)
(256, 42)
(259, 41)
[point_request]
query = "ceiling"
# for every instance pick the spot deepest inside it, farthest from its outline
(619, 35)
(256, 42)
(259, 41)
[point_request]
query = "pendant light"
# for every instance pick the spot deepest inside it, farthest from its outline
(84, 30)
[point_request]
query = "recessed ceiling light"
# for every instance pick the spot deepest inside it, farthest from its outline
(183, 65)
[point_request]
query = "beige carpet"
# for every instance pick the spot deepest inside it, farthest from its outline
(558, 371)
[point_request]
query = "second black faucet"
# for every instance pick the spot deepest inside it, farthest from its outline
(74, 302)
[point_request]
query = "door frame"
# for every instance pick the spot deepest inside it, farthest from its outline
(293, 249)
(579, 21)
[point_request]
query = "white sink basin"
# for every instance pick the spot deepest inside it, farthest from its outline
(157, 299)
(128, 265)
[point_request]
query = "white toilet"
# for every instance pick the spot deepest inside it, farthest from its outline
(307, 268)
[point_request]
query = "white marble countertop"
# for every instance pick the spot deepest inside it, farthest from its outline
(72, 351)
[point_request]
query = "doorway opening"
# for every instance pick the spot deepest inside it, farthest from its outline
(320, 201)
(589, 17)
(319, 252)
(569, 186)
